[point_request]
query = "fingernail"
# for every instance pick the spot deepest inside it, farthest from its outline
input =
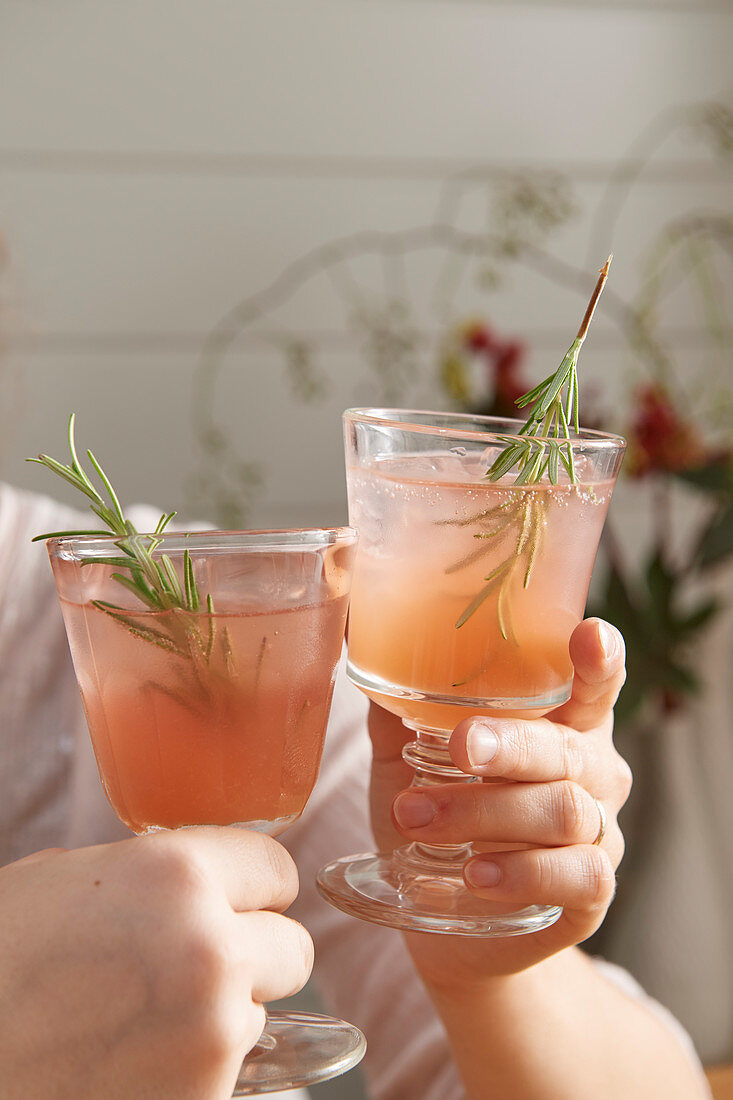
(482, 872)
(607, 639)
(481, 744)
(412, 811)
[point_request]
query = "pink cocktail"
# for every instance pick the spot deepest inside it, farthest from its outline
(212, 709)
(471, 574)
(431, 533)
(213, 717)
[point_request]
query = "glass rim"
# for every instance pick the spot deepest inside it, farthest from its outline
(406, 420)
(286, 538)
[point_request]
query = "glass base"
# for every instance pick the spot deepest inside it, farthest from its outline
(271, 827)
(430, 709)
(298, 1049)
(391, 890)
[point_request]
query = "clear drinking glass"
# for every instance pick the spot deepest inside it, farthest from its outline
(465, 594)
(217, 716)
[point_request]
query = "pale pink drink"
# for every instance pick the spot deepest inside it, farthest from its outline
(466, 591)
(431, 532)
(216, 716)
(214, 711)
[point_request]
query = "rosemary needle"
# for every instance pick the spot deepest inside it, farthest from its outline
(154, 581)
(552, 409)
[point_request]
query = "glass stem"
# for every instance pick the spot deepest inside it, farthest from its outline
(428, 754)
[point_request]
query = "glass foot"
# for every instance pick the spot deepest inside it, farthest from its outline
(387, 889)
(298, 1049)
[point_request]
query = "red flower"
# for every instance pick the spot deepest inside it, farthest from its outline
(503, 360)
(477, 337)
(508, 384)
(659, 439)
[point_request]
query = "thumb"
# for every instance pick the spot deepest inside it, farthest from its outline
(598, 654)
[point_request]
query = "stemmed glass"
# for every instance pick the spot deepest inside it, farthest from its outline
(465, 594)
(214, 712)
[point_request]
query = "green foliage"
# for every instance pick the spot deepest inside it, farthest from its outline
(715, 542)
(307, 383)
(152, 580)
(552, 407)
(527, 206)
(224, 486)
(659, 635)
(390, 343)
(662, 626)
(714, 477)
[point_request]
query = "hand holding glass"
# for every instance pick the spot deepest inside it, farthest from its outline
(466, 591)
(217, 716)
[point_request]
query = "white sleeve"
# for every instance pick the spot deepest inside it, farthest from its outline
(629, 985)
(363, 970)
(52, 796)
(47, 775)
(91, 819)
(51, 792)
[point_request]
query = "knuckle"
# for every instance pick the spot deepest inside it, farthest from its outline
(571, 811)
(571, 755)
(258, 1019)
(481, 810)
(279, 870)
(519, 745)
(254, 1023)
(587, 692)
(309, 951)
(625, 777)
(171, 866)
(597, 877)
(304, 952)
(616, 846)
(218, 1032)
(208, 965)
(291, 947)
(547, 875)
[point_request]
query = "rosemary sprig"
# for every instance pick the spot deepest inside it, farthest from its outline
(552, 407)
(524, 520)
(153, 580)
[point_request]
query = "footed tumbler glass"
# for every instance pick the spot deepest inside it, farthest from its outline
(465, 594)
(213, 711)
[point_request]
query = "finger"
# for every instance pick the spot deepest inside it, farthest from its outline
(547, 814)
(277, 954)
(390, 773)
(598, 653)
(525, 751)
(253, 870)
(581, 879)
(388, 736)
(36, 857)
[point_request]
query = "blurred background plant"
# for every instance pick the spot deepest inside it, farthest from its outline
(668, 590)
(664, 601)
(254, 253)
(680, 455)
(663, 575)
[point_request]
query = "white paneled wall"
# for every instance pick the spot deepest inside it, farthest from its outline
(161, 161)
(164, 163)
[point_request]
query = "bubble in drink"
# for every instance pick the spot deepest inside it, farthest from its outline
(209, 717)
(419, 625)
